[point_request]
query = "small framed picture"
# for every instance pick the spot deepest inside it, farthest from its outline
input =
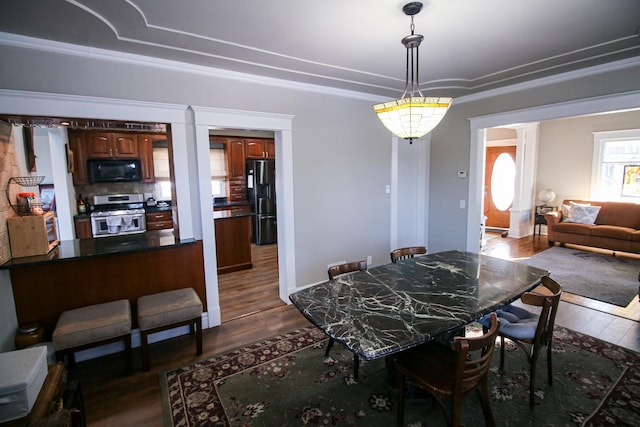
(47, 197)
(631, 181)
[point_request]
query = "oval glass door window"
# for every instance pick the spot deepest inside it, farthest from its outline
(502, 181)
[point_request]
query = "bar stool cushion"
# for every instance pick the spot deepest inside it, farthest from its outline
(91, 324)
(167, 308)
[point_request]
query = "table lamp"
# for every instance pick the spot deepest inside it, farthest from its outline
(546, 196)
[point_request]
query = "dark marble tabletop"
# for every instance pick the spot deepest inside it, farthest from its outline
(394, 307)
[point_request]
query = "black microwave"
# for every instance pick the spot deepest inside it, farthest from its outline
(114, 170)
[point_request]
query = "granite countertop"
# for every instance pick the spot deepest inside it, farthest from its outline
(231, 214)
(68, 250)
(394, 307)
(224, 204)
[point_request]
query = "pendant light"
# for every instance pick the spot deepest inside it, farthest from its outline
(413, 115)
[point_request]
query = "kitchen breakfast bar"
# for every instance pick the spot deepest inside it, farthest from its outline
(83, 272)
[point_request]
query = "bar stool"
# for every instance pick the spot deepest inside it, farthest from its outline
(168, 310)
(92, 326)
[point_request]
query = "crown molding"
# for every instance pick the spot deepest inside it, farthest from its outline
(25, 42)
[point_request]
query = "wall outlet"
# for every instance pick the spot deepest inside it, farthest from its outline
(369, 260)
(462, 174)
(463, 204)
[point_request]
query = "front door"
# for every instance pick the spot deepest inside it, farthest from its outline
(499, 185)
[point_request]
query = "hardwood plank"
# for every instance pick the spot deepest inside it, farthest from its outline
(249, 291)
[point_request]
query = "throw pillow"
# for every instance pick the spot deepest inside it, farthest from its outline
(567, 208)
(583, 214)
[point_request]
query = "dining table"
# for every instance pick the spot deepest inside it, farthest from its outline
(393, 307)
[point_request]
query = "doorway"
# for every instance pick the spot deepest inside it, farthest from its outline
(499, 183)
(245, 292)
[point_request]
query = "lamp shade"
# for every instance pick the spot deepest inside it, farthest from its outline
(413, 117)
(547, 195)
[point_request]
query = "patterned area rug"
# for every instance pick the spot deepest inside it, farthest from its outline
(612, 279)
(287, 381)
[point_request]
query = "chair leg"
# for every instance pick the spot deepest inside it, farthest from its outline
(198, 326)
(144, 347)
(501, 353)
(532, 382)
(400, 399)
(455, 410)
(329, 345)
(483, 392)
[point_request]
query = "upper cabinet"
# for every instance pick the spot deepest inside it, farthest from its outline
(145, 148)
(77, 157)
(260, 148)
(102, 144)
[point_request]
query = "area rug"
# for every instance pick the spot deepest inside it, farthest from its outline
(287, 381)
(608, 278)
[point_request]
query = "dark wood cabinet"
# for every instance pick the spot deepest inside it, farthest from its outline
(270, 148)
(236, 158)
(236, 173)
(159, 220)
(83, 227)
(77, 157)
(111, 145)
(145, 148)
(233, 243)
(86, 145)
(259, 148)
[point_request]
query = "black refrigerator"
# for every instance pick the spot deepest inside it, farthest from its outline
(261, 193)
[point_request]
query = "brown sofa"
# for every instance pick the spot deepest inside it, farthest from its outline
(617, 227)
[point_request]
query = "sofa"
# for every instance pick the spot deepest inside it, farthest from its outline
(606, 225)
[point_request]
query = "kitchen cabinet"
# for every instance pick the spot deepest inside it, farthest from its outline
(259, 148)
(77, 157)
(236, 173)
(159, 220)
(111, 145)
(83, 227)
(145, 148)
(233, 240)
(101, 144)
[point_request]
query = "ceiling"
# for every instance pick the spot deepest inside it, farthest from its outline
(470, 46)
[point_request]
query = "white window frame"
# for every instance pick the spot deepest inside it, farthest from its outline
(599, 140)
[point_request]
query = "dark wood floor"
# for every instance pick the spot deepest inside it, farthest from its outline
(115, 400)
(246, 292)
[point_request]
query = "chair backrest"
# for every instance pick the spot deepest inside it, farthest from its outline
(549, 304)
(349, 267)
(408, 252)
(474, 357)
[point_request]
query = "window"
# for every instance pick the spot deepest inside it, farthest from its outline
(162, 173)
(616, 166)
(218, 172)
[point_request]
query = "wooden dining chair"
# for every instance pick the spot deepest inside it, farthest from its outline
(530, 331)
(333, 272)
(408, 252)
(450, 372)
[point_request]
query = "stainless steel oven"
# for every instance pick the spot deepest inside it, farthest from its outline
(117, 215)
